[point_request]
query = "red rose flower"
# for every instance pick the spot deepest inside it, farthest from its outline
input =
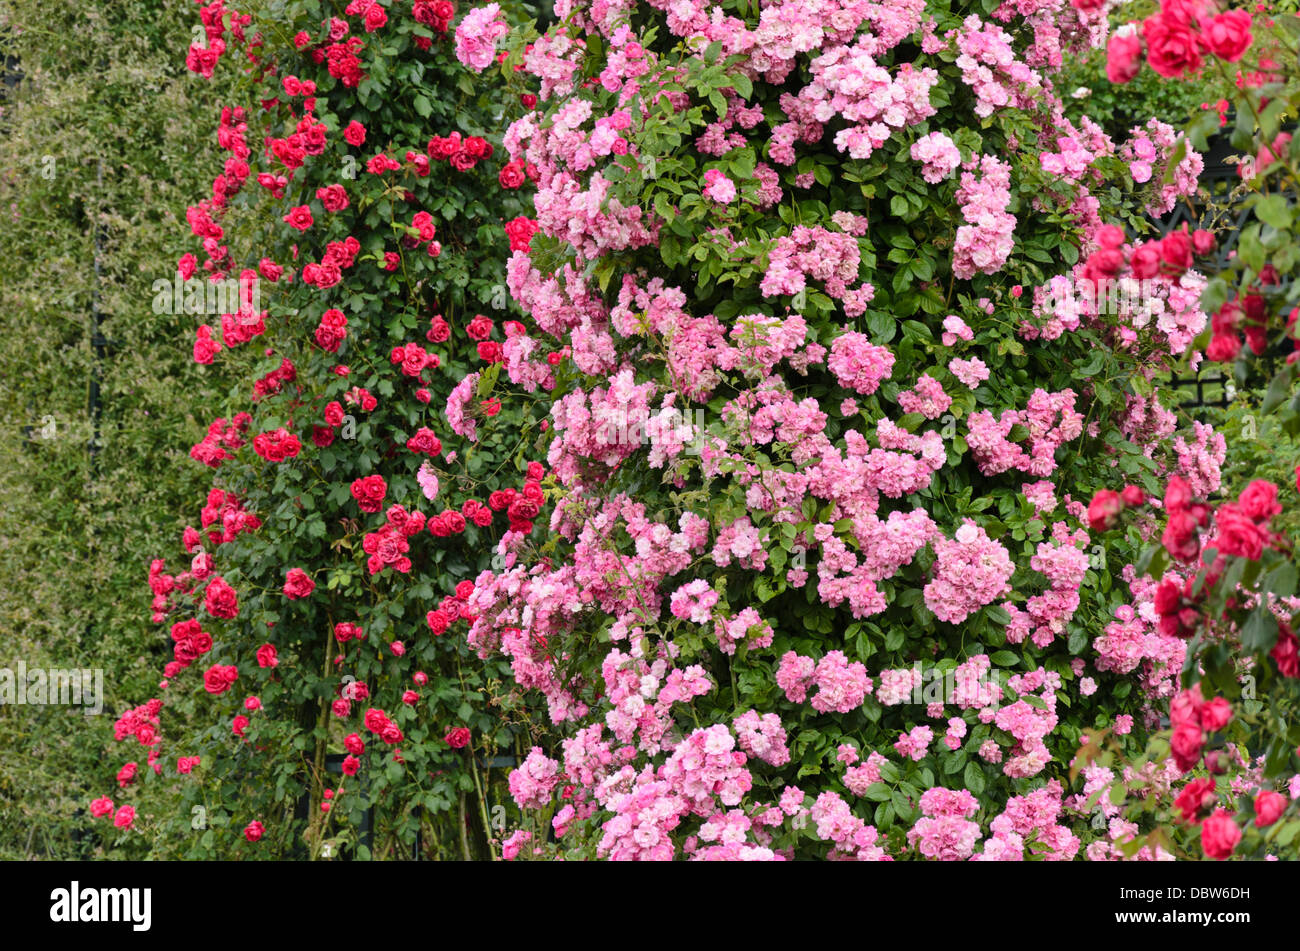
(1172, 47)
(220, 598)
(1286, 652)
(299, 217)
(1103, 511)
(439, 330)
(1196, 799)
(1176, 252)
(458, 738)
(1180, 537)
(1145, 260)
(1258, 501)
(1227, 36)
(297, 584)
(219, 679)
(1123, 57)
(1215, 714)
(333, 197)
(1237, 534)
(1219, 835)
(266, 656)
(369, 493)
(1269, 807)
(512, 175)
(1186, 744)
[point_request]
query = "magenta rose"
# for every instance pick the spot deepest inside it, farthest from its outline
(1219, 835)
(1259, 501)
(1228, 35)
(298, 584)
(1269, 807)
(1103, 511)
(1172, 47)
(219, 678)
(1123, 57)
(220, 598)
(1186, 743)
(1215, 714)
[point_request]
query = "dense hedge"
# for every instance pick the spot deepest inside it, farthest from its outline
(98, 148)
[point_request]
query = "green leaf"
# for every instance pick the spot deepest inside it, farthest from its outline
(1260, 632)
(973, 778)
(878, 792)
(1274, 210)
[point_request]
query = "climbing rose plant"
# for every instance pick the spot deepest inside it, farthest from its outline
(1219, 570)
(364, 469)
(850, 342)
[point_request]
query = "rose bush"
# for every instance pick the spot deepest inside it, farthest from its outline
(1220, 570)
(823, 460)
(852, 331)
(356, 487)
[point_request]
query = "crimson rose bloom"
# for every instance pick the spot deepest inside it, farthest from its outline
(1219, 835)
(219, 679)
(1196, 798)
(480, 328)
(439, 330)
(1123, 57)
(355, 133)
(1145, 260)
(297, 584)
(512, 175)
(1180, 537)
(333, 197)
(1286, 652)
(1168, 598)
(1178, 494)
(220, 598)
(299, 218)
(1133, 496)
(253, 831)
(424, 441)
(458, 738)
(1238, 535)
(1176, 252)
(1259, 501)
(1103, 511)
(1228, 35)
(1269, 807)
(369, 493)
(1223, 348)
(1186, 744)
(266, 656)
(1215, 714)
(1172, 48)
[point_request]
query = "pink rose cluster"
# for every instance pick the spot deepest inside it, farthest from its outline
(477, 35)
